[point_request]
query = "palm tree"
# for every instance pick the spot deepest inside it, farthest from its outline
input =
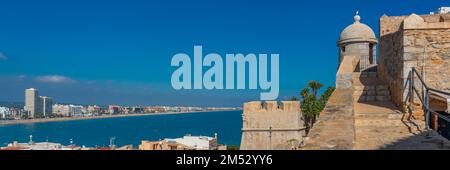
(315, 86)
(311, 105)
(326, 95)
(304, 93)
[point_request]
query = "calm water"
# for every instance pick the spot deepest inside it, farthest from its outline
(130, 130)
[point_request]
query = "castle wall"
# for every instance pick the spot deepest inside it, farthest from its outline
(390, 56)
(269, 125)
(335, 127)
(422, 42)
(429, 51)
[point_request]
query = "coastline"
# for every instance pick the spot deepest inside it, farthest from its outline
(62, 119)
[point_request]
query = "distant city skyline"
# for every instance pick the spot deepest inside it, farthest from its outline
(119, 52)
(36, 105)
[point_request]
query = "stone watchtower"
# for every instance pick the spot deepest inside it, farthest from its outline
(272, 125)
(358, 40)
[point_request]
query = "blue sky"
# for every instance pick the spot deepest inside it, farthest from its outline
(119, 52)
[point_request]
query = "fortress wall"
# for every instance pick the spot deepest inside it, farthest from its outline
(390, 55)
(429, 51)
(344, 75)
(335, 127)
(272, 125)
(414, 41)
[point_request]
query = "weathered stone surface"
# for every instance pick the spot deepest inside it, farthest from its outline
(369, 87)
(369, 125)
(383, 98)
(371, 93)
(335, 127)
(360, 114)
(413, 21)
(383, 93)
(270, 125)
(416, 41)
(380, 125)
(370, 98)
(344, 75)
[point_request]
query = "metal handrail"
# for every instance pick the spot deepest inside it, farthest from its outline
(424, 100)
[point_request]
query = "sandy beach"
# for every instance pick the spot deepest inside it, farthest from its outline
(60, 119)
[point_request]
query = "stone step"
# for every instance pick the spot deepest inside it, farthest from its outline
(379, 123)
(365, 75)
(383, 98)
(377, 116)
(371, 87)
(372, 92)
(383, 93)
(368, 88)
(365, 98)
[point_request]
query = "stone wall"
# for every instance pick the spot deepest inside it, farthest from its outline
(390, 55)
(429, 52)
(335, 127)
(272, 125)
(344, 75)
(416, 41)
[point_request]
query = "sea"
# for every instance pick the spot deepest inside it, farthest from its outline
(129, 130)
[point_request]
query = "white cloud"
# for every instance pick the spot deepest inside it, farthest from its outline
(3, 57)
(54, 79)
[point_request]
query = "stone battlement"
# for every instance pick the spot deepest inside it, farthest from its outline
(271, 107)
(272, 125)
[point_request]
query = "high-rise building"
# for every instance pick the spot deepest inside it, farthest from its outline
(47, 108)
(32, 103)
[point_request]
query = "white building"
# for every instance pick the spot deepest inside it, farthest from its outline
(197, 142)
(68, 110)
(17, 113)
(61, 110)
(31, 145)
(76, 110)
(32, 102)
(4, 113)
(46, 103)
(93, 109)
(442, 10)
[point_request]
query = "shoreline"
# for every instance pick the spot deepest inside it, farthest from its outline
(62, 119)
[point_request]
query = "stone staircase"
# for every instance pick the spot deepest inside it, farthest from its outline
(368, 88)
(379, 124)
(369, 122)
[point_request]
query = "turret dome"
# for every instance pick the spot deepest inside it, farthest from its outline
(357, 32)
